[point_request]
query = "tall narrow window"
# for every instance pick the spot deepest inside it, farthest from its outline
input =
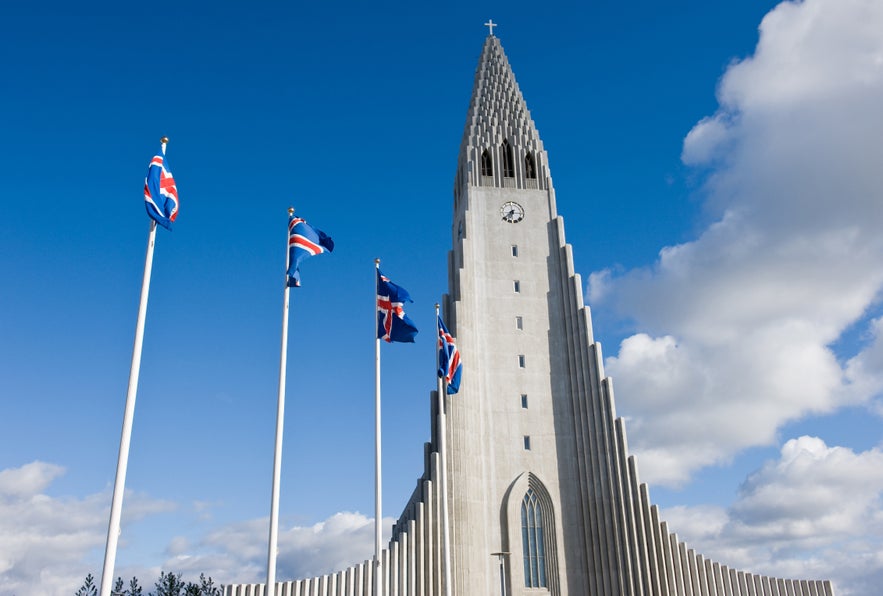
(530, 168)
(514, 250)
(516, 285)
(524, 400)
(519, 323)
(521, 361)
(527, 442)
(532, 541)
(508, 155)
(487, 168)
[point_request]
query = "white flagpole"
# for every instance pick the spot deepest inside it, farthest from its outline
(277, 454)
(442, 412)
(119, 484)
(378, 520)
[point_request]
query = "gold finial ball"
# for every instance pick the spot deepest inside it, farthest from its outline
(164, 140)
(376, 261)
(291, 211)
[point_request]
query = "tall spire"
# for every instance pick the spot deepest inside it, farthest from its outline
(498, 114)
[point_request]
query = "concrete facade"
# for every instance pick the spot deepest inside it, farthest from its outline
(537, 460)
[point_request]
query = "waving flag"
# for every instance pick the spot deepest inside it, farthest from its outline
(303, 241)
(449, 365)
(160, 192)
(392, 322)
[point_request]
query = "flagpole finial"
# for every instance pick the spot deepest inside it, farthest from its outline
(377, 262)
(436, 306)
(290, 211)
(164, 140)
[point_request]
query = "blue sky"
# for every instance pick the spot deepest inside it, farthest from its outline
(720, 185)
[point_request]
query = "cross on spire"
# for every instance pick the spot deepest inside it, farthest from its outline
(490, 25)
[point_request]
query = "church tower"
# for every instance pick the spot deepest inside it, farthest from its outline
(516, 455)
(541, 493)
(539, 473)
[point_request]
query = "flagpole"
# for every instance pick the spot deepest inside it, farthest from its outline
(377, 472)
(442, 413)
(277, 454)
(119, 484)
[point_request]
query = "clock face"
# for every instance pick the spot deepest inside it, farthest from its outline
(512, 212)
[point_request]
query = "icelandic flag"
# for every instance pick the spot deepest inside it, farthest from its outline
(449, 365)
(392, 322)
(303, 241)
(160, 192)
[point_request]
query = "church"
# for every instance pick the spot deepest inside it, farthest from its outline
(528, 486)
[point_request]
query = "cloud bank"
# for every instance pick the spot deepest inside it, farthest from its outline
(815, 512)
(49, 544)
(790, 520)
(743, 322)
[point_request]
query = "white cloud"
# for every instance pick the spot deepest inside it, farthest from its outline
(597, 285)
(738, 324)
(707, 141)
(67, 536)
(41, 532)
(29, 479)
(47, 544)
(865, 370)
(814, 512)
(342, 540)
(337, 543)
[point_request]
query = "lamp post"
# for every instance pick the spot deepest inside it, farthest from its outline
(502, 558)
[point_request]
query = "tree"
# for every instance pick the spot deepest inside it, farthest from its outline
(169, 584)
(88, 588)
(207, 586)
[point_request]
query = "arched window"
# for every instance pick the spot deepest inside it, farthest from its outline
(530, 168)
(487, 168)
(532, 541)
(527, 500)
(508, 160)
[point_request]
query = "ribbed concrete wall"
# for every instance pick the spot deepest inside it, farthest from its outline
(635, 553)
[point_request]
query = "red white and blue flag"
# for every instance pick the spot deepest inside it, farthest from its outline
(160, 192)
(392, 322)
(304, 241)
(449, 365)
